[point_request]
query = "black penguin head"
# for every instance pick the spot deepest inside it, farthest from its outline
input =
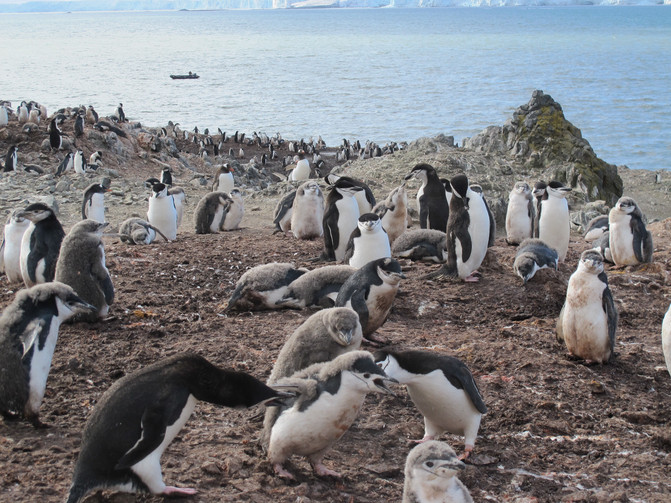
(421, 171)
(159, 190)
(540, 188)
(369, 222)
(346, 186)
(37, 212)
(459, 185)
(446, 184)
(476, 188)
(150, 182)
(557, 189)
(363, 367)
(388, 269)
(55, 297)
(591, 261)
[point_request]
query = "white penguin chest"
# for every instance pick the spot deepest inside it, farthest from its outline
(12, 253)
(226, 183)
(301, 171)
(40, 364)
(96, 208)
(162, 214)
(585, 324)
(518, 220)
(478, 230)
(234, 215)
(362, 202)
(553, 226)
(348, 215)
(370, 246)
(621, 241)
(379, 302)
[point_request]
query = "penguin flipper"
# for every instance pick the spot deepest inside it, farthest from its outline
(492, 225)
(608, 305)
(153, 425)
(560, 327)
(640, 236)
(466, 244)
(2, 255)
(85, 204)
(358, 302)
(31, 334)
(349, 250)
(460, 372)
(423, 212)
(156, 230)
(331, 239)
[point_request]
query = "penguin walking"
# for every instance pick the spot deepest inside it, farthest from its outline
(10, 250)
(28, 334)
(307, 212)
(236, 211)
(442, 388)
(554, 226)
(532, 256)
(588, 320)
(368, 242)
(140, 415)
(340, 218)
(211, 212)
(666, 339)
(316, 288)
(365, 199)
(283, 212)
(93, 205)
(40, 245)
(331, 396)
(11, 159)
(371, 291)
(223, 179)
(468, 232)
(519, 214)
(393, 212)
(81, 264)
(431, 200)
(162, 212)
(421, 244)
(262, 286)
(66, 164)
(137, 231)
(630, 241)
(431, 470)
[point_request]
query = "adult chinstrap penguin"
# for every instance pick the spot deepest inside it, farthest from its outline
(138, 231)
(421, 244)
(368, 241)
(330, 397)
(55, 134)
(10, 250)
(630, 241)
(532, 256)
(28, 334)
(364, 198)
(307, 212)
(41, 244)
(340, 218)
(443, 390)
(162, 212)
(66, 164)
(11, 159)
(139, 416)
(211, 212)
(540, 187)
(554, 225)
(431, 200)
(316, 288)
(519, 214)
(431, 470)
(588, 320)
(93, 205)
(81, 264)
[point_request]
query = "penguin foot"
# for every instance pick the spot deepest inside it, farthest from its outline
(473, 278)
(37, 424)
(322, 471)
(178, 491)
(467, 452)
(375, 341)
(425, 439)
(281, 472)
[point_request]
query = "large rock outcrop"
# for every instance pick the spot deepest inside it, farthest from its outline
(540, 138)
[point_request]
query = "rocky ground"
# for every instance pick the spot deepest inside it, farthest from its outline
(557, 429)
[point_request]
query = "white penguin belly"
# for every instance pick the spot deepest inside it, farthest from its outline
(518, 221)
(301, 171)
(348, 216)
(233, 216)
(40, 364)
(163, 215)
(370, 246)
(270, 297)
(25, 252)
(217, 219)
(554, 227)
(444, 407)
(362, 203)
(96, 209)
(12, 253)
(621, 241)
(225, 183)
(149, 468)
(666, 339)
(478, 229)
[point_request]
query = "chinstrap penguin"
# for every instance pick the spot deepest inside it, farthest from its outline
(368, 241)
(532, 256)
(554, 226)
(540, 187)
(421, 244)
(630, 241)
(364, 198)
(11, 158)
(307, 212)
(10, 250)
(316, 288)
(340, 218)
(66, 164)
(40, 244)
(431, 200)
(283, 212)
(519, 214)
(210, 212)
(93, 205)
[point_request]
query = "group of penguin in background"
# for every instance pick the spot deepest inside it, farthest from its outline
(321, 368)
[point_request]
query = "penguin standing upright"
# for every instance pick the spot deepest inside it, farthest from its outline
(140, 415)
(79, 162)
(211, 212)
(28, 334)
(179, 198)
(340, 218)
(166, 177)
(666, 339)
(520, 214)
(235, 212)
(11, 158)
(91, 115)
(431, 200)
(307, 212)
(630, 241)
(4, 116)
(302, 170)
(365, 199)
(120, 115)
(81, 264)
(93, 205)
(283, 212)
(40, 244)
(223, 179)
(162, 212)
(393, 212)
(368, 241)
(79, 124)
(10, 251)
(443, 389)
(66, 164)
(588, 320)
(554, 225)
(539, 193)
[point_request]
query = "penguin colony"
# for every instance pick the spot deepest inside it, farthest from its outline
(320, 364)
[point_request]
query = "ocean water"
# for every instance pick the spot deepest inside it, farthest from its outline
(377, 74)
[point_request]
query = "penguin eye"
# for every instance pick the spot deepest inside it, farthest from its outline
(429, 464)
(366, 375)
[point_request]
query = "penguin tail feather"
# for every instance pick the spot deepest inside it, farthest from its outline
(442, 273)
(77, 492)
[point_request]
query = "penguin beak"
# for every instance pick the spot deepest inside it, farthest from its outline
(346, 336)
(409, 176)
(565, 189)
(382, 385)
(82, 307)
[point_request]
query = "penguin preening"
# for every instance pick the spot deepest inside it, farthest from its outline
(519, 214)
(588, 320)
(431, 200)
(367, 242)
(81, 264)
(330, 397)
(140, 415)
(210, 212)
(630, 241)
(10, 250)
(421, 244)
(93, 205)
(137, 231)
(28, 334)
(554, 225)
(431, 470)
(41, 244)
(532, 256)
(316, 288)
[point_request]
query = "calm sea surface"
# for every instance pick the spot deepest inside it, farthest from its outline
(378, 74)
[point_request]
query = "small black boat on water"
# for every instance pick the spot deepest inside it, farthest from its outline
(189, 76)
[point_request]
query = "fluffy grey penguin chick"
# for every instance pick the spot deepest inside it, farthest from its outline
(28, 334)
(317, 288)
(262, 286)
(211, 212)
(431, 472)
(421, 244)
(81, 264)
(137, 231)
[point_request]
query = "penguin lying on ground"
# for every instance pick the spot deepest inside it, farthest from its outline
(138, 417)
(630, 241)
(283, 212)
(28, 334)
(316, 288)
(137, 231)
(532, 256)
(262, 286)
(330, 397)
(307, 212)
(588, 320)
(40, 244)
(595, 228)
(371, 291)
(10, 250)
(519, 214)
(369, 241)
(393, 213)
(210, 212)
(421, 244)
(431, 475)
(81, 264)
(442, 388)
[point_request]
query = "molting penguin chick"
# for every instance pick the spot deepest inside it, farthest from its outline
(307, 211)
(235, 212)
(139, 416)
(28, 334)
(431, 199)
(630, 241)
(532, 256)
(40, 244)
(666, 339)
(393, 212)
(431, 475)
(520, 214)
(137, 231)
(554, 226)
(371, 291)
(162, 212)
(93, 205)
(10, 250)
(331, 395)
(368, 241)
(316, 288)
(442, 388)
(211, 212)
(81, 264)
(588, 320)
(283, 212)
(421, 244)
(262, 286)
